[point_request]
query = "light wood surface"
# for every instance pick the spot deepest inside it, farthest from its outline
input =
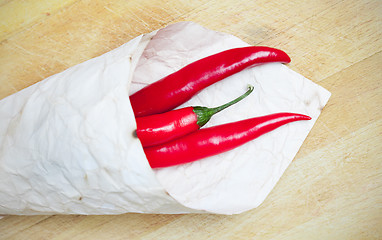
(332, 189)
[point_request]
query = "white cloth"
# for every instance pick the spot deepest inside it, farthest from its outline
(66, 143)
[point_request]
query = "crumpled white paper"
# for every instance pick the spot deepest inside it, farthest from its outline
(66, 143)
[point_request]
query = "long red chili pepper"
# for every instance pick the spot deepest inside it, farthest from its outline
(178, 87)
(214, 140)
(160, 128)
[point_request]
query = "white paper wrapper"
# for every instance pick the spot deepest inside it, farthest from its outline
(66, 143)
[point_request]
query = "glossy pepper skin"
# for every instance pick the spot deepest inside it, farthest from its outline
(214, 140)
(159, 128)
(178, 87)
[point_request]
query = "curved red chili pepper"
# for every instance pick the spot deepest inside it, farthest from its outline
(159, 128)
(178, 87)
(214, 140)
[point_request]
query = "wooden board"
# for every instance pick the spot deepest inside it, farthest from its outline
(333, 188)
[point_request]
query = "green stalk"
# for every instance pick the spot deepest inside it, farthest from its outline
(204, 114)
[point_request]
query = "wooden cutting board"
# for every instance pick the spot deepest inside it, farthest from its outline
(333, 188)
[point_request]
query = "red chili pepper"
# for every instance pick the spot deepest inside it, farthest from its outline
(178, 87)
(160, 128)
(214, 140)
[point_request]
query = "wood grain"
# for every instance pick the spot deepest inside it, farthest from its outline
(333, 188)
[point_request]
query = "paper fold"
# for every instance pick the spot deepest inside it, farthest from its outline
(66, 143)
